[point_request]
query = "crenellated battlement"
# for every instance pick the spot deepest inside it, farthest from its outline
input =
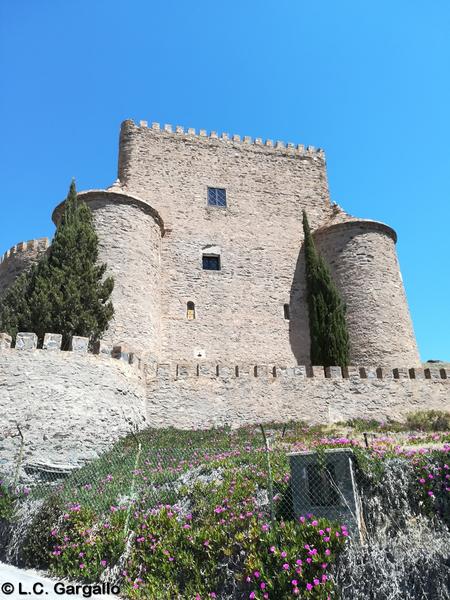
(207, 370)
(26, 341)
(176, 371)
(233, 139)
(31, 246)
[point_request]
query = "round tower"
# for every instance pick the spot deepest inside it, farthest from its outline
(129, 232)
(19, 259)
(364, 264)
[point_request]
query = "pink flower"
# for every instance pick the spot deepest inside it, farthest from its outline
(286, 566)
(294, 582)
(256, 574)
(309, 586)
(252, 595)
(262, 585)
(82, 565)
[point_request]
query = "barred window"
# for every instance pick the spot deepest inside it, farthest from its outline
(217, 197)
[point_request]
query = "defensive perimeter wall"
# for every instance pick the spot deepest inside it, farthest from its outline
(71, 406)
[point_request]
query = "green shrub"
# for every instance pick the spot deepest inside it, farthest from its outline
(429, 420)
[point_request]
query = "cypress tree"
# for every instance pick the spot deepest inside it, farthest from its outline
(66, 291)
(327, 325)
(14, 310)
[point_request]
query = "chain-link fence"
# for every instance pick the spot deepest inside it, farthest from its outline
(364, 492)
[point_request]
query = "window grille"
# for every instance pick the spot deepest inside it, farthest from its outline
(217, 197)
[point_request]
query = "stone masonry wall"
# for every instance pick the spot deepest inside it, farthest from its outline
(70, 407)
(239, 309)
(190, 396)
(364, 264)
(18, 259)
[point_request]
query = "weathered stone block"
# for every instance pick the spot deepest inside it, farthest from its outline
(432, 373)
(282, 371)
(227, 371)
(351, 372)
(52, 341)
(207, 370)
(244, 370)
(103, 348)
(368, 372)
(401, 373)
(185, 371)
(5, 341)
(333, 372)
(26, 341)
(300, 371)
(79, 344)
(164, 371)
(385, 373)
(416, 374)
(318, 371)
(122, 352)
(261, 370)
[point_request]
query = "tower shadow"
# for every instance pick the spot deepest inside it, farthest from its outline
(298, 311)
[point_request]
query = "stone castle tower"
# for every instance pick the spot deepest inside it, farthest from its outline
(203, 235)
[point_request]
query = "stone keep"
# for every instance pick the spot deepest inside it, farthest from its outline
(155, 226)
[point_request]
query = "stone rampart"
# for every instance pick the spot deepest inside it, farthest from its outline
(70, 406)
(207, 395)
(73, 405)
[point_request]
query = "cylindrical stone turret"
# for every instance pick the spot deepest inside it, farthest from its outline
(364, 264)
(20, 258)
(129, 232)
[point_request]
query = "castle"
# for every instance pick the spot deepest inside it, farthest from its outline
(203, 235)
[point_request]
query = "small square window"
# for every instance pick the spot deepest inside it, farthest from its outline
(217, 197)
(211, 263)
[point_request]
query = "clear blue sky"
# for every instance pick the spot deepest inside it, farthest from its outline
(367, 81)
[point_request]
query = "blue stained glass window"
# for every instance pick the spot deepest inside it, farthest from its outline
(217, 197)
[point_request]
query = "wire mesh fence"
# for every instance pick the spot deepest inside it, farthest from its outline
(225, 486)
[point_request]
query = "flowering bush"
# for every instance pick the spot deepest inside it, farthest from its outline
(195, 522)
(216, 538)
(433, 476)
(174, 556)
